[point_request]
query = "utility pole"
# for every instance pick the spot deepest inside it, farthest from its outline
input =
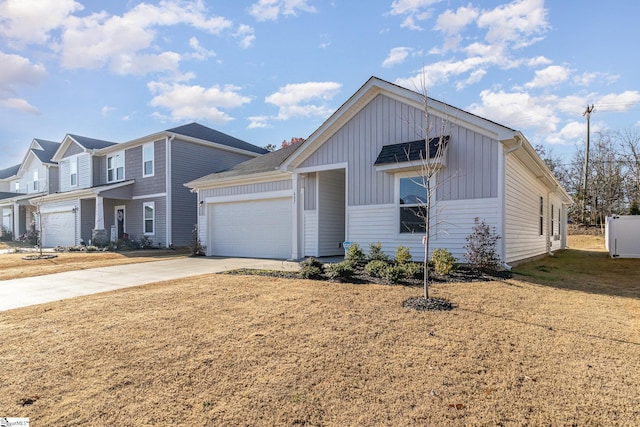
(587, 114)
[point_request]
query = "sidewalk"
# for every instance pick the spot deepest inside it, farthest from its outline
(54, 287)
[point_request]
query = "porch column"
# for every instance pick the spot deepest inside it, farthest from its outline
(15, 216)
(99, 225)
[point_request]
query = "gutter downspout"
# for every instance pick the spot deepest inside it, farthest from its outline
(503, 206)
(169, 198)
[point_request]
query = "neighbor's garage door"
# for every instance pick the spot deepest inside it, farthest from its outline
(58, 229)
(253, 229)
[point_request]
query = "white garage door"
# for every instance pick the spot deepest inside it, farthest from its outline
(58, 229)
(253, 229)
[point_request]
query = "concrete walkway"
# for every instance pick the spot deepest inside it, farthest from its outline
(54, 287)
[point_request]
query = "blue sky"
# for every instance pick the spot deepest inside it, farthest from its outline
(268, 70)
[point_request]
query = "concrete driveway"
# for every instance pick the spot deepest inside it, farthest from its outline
(54, 287)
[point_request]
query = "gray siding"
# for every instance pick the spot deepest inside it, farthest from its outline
(99, 170)
(84, 177)
(471, 173)
(54, 179)
(261, 187)
(191, 161)
(88, 218)
(309, 184)
(135, 220)
(331, 213)
(72, 150)
(133, 169)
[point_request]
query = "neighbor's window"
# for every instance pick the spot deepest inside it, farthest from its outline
(115, 167)
(17, 186)
(553, 230)
(149, 212)
(541, 215)
(413, 200)
(35, 180)
(147, 159)
(73, 169)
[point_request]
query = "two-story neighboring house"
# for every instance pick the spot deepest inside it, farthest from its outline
(35, 177)
(134, 189)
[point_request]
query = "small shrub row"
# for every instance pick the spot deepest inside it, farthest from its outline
(78, 248)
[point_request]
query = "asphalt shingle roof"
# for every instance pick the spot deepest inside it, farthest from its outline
(10, 171)
(91, 143)
(265, 163)
(196, 130)
(49, 148)
(408, 151)
(7, 195)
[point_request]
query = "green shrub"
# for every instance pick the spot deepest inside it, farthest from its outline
(415, 270)
(394, 273)
(481, 248)
(339, 270)
(443, 262)
(403, 255)
(375, 268)
(146, 242)
(311, 268)
(375, 252)
(354, 255)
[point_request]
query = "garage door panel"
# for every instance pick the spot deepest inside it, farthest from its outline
(257, 229)
(58, 229)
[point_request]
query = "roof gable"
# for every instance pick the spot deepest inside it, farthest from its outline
(83, 144)
(198, 131)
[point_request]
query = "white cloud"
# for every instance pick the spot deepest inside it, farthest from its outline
(196, 102)
(618, 101)
(18, 104)
(552, 75)
(246, 35)
(106, 110)
(270, 10)
(412, 10)
(125, 43)
(30, 21)
(18, 71)
(304, 99)
(517, 22)
(432, 74)
(585, 79)
(199, 52)
(538, 61)
(570, 133)
(451, 23)
(397, 55)
(258, 122)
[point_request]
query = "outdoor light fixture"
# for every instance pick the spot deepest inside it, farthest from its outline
(201, 204)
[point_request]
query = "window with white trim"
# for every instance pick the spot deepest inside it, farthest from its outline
(149, 217)
(17, 188)
(147, 159)
(115, 167)
(73, 172)
(35, 180)
(413, 200)
(541, 216)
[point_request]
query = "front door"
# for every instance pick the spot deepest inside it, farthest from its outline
(120, 221)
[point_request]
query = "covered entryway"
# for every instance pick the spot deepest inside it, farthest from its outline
(59, 228)
(253, 229)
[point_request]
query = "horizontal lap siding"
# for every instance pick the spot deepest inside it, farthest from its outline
(310, 233)
(135, 224)
(522, 207)
(262, 187)
(88, 219)
(188, 162)
(147, 185)
(453, 223)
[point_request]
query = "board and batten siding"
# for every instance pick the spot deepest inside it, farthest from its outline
(471, 171)
(331, 212)
(522, 212)
(452, 224)
(309, 183)
(188, 162)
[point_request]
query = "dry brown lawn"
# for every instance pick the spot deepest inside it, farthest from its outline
(15, 266)
(250, 350)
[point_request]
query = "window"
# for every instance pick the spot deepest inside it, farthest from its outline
(35, 180)
(115, 167)
(553, 230)
(149, 212)
(147, 159)
(17, 186)
(541, 215)
(413, 199)
(73, 171)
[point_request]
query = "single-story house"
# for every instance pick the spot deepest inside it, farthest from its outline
(349, 181)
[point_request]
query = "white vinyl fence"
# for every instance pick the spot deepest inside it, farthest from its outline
(622, 236)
